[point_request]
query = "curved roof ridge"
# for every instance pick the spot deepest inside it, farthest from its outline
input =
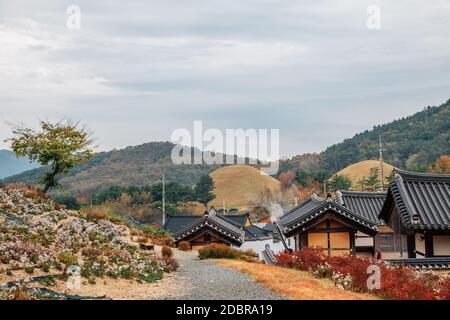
(299, 217)
(223, 223)
(368, 193)
(407, 202)
(313, 202)
(312, 198)
(410, 175)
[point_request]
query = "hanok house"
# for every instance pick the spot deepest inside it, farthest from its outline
(368, 205)
(200, 231)
(417, 208)
(235, 230)
(326, 224)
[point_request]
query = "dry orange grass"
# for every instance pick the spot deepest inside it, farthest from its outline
(294, 284)
(360, 170)
(242, 185)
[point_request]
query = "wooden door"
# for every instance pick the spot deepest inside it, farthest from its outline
(318, 240)
(329, 236)
(339, 243)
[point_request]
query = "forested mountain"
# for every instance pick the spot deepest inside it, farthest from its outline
(10, 164)
(410, 143)
(137, 165)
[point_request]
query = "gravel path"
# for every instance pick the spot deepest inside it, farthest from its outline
(203, 279)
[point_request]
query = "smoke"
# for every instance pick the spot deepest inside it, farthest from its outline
(276, 210)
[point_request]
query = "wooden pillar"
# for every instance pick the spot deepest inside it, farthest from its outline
(429, 251)
(374, 250)
(411, 243)
(352, 242)
(328, 237)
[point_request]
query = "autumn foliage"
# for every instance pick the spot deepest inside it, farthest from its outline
(286, 179)
(442, 165)
(350, 272)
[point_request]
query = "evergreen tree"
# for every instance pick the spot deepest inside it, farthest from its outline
(339, 183)
(203, 190)
(373, 183)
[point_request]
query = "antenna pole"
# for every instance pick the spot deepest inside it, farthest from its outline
(163, 197)
(380, 149)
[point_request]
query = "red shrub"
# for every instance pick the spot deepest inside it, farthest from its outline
(400, 283)
(307, 259)
(285, 259)
(355, 267)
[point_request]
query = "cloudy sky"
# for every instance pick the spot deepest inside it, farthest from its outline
(137, 70)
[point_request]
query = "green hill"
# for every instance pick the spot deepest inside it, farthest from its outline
(137, 165)
(411, 143)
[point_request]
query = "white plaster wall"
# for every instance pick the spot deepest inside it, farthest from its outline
(364, 242)
(260, 245)
(441, 245)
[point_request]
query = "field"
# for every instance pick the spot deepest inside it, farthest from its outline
(242, 186)
(294, 284)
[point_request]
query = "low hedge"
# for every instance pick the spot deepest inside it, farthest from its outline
(350, 272)
(222, 251)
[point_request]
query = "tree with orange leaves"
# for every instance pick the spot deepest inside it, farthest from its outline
(442, 165)
(286, 179)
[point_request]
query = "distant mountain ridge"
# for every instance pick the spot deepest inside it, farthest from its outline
(134, 165)
(411, 143)
(10, 164)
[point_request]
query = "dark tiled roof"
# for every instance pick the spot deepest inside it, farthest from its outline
(366, 204)
(176, 223)
(315, 206)
(271, 228)
(238, 219)
(253, 233)
(181, 226)
(301, 210)
(422, 199)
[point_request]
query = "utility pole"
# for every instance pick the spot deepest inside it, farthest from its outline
(224, 212)
(163, 198)
(380, 149)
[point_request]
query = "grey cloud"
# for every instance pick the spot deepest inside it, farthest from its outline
(138, 70)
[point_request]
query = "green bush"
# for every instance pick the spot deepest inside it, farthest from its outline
(67, 259)
(222, 251)
(29, 270)
(218, 251)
